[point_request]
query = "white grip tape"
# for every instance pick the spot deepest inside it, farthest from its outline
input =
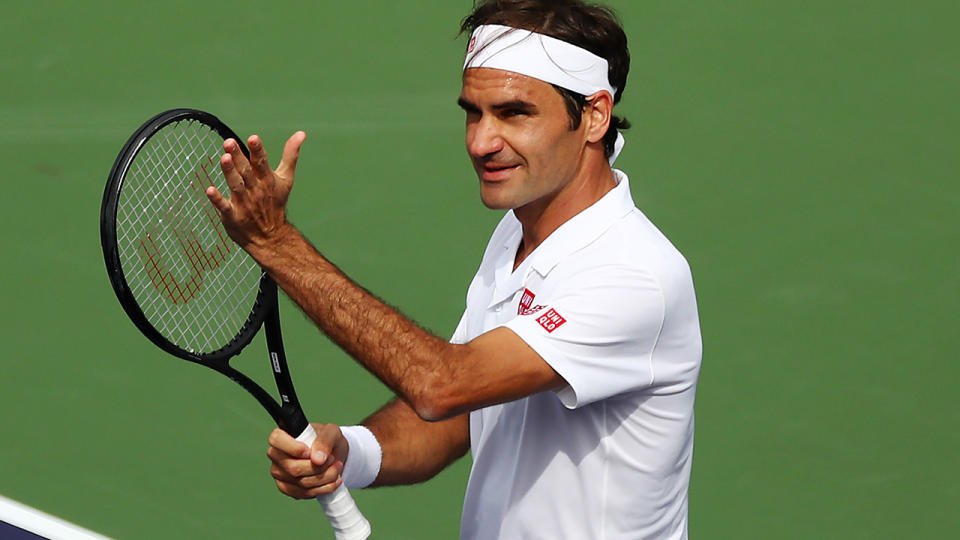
(345, 518)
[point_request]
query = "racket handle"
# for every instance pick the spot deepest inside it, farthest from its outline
(347, 521)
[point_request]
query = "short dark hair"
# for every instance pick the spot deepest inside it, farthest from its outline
(589, 26)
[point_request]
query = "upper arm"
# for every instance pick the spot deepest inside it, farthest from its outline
(594, 339)
(495, 367)
(600, 335)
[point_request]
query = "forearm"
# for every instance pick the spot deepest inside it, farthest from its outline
(410, 360)
(415, 450)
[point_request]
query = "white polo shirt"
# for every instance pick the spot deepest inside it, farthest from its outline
(608, 302)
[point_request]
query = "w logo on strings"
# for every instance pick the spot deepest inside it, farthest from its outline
(175, 236)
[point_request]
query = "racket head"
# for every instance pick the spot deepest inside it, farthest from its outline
(179, 277)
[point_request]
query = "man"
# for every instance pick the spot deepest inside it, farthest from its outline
(572, 373)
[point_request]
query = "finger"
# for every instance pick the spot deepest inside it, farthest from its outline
(309, 478)
(230, 174)
(281, 475)
(221, 203)
(293, 467)
(291, 153)
(328, 476)
(297, 492)
(258, 158)
(277, 456)
(240, 163)
(324, 490)
(282, 441)
(323, 445)
(292, 490)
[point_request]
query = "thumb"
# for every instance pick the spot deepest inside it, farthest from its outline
(291, 153)
(221, 203)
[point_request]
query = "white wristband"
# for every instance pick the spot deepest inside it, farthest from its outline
(363, 459)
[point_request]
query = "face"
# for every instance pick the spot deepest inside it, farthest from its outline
(519, 138)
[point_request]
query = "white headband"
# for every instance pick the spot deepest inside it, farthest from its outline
(541, 57)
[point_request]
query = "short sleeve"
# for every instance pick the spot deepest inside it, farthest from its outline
(460, 334)
(598, 333)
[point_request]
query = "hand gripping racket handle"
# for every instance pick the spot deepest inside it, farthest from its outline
(347, 521)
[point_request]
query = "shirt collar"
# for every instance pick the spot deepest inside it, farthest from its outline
(575, 234)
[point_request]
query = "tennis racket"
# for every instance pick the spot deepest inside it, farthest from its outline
(182, 280)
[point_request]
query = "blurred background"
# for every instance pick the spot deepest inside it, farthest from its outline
(803, 156)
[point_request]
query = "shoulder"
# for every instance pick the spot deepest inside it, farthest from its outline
(631, 246)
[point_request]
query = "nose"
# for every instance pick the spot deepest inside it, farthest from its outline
(483, 137)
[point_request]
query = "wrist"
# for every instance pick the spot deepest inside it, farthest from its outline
(364, 457)
(271, 247)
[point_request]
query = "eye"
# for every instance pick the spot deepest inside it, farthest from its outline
(471, 110)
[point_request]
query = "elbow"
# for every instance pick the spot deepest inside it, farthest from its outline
(431, 413)
(432, 406)
(444, 391)
(438, 399)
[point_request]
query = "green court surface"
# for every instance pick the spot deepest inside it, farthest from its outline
(802, 155)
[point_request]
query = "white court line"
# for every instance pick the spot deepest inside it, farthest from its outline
(42, 524)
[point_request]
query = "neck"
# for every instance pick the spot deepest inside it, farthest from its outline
(542, 217)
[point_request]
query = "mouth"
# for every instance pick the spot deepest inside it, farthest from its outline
(491, 172)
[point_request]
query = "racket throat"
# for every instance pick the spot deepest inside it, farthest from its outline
(294, 421)
(287, 416)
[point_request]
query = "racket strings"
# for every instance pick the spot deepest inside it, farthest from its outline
(193, 284)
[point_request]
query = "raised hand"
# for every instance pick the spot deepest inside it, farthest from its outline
(255, 213)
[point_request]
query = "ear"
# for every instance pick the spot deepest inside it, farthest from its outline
(597, 115)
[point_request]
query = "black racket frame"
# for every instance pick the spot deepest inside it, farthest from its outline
(265, 312)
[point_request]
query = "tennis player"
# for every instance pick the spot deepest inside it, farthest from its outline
(571, 375)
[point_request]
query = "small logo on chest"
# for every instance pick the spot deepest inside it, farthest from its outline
(525, 301)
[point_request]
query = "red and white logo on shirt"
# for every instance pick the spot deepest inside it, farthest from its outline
(525, 301)
(551, 320)
(531, 311)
